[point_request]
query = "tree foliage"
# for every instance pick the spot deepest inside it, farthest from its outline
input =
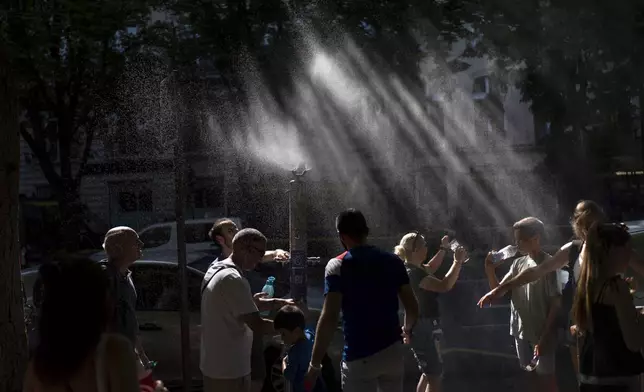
(68, 57)
(579, 65)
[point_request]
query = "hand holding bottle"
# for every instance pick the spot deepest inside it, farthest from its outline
(460, 255)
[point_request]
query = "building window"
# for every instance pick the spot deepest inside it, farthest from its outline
(132, 201)
(481, 87)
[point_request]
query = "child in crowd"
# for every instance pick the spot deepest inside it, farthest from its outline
(291, 324)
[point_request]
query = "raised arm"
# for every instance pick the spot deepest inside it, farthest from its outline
(430, 283)
(490, 271)
(559, 260)
(435, 263)
(275, 255)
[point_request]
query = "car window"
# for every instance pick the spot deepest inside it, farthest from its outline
(155, 237)
(157, 287)
(637, 240)
(28, 280)
(197, 233)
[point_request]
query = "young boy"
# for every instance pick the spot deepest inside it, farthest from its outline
(291, 324)
(534, 307)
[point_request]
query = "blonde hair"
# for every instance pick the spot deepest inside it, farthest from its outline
(112, 241)
(586, 213)
(406, 246)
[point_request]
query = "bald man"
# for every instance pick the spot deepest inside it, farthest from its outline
(230, 315)
(123, 247)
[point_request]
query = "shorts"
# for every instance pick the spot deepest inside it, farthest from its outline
(426, 346)
(381, 372)
(525, 352)
(257, 361)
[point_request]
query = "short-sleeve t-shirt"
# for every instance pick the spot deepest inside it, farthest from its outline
(124, 295)
(428, 306)
(226, 341)
(369, 280)
(530, 303)
(297, 364)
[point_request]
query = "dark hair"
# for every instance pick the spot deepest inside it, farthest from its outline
(289, 317)
(601, 238)
(72, 318)
(352, 223)
(247, 236)
(530, 227)
(218, 228)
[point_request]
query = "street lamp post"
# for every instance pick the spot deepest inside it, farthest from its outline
(297, 233)
(180, 197)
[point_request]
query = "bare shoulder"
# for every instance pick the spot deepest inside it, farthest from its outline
(117, 347)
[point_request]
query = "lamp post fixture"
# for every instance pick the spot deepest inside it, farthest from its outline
(297, 233)
(171, 85)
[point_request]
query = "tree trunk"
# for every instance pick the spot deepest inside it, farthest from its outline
(72, 223)
(13, 338)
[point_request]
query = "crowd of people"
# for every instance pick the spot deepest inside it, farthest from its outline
(590, 314)
(573, 307)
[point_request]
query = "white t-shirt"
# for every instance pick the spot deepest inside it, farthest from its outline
(225, 340)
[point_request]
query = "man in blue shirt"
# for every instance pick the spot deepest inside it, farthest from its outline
(365, 283)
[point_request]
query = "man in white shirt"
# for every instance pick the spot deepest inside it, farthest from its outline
(230, 315)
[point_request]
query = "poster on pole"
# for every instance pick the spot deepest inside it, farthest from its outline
(298, 275)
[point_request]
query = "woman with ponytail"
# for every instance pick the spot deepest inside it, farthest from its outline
(609, 329)
(425, 342)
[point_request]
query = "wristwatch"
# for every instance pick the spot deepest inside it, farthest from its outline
(445, 248)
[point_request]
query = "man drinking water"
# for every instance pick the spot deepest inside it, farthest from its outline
(534, 307)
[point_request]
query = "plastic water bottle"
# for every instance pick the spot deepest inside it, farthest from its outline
(505, 253)
(268, 288)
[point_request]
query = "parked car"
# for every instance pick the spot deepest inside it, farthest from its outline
(158, 313)
(160, 241)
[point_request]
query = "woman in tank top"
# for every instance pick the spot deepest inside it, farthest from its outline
(609, 329)
(74, 354)
(427, 334)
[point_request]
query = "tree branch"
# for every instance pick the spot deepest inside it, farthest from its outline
(43, 157)
(90, 130)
